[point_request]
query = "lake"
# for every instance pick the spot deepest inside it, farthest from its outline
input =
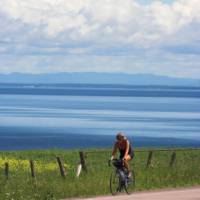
(40, 116)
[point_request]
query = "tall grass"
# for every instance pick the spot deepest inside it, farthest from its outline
(49, 185)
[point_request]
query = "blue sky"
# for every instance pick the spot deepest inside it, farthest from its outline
(115, 36)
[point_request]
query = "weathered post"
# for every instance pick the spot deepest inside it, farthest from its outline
(173, 158)
(7, 170)
(32, 166)
(149, 160)
(62, 170)
(82, 161)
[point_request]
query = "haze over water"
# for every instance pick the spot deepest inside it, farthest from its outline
(48, 116)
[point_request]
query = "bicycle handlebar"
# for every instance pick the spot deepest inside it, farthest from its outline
(114, 160)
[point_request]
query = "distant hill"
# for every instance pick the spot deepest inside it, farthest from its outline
(98, 78)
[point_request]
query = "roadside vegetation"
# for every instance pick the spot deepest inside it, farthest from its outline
(48, 184)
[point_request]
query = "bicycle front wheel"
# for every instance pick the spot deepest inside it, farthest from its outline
(115, 184)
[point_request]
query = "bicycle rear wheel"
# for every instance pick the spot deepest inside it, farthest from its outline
(115, 183)
(130, 183)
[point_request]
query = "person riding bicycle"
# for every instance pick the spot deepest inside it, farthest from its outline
(126, 152)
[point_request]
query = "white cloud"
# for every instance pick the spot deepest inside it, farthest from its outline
(42, 28)
(82, 20)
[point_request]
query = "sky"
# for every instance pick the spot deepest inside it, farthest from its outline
(114, 36)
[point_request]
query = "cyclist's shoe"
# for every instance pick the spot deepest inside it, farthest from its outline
(129, 175)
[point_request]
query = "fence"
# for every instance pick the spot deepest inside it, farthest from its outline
(83, 156)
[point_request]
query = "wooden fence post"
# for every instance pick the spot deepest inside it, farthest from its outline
(149, 160)
(7, 170)
(32, 166)
(62, 170)
(82, 161)
(173, 158)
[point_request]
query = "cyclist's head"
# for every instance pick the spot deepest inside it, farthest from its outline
(120, 136)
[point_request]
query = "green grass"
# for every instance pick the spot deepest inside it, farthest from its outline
(49, 185)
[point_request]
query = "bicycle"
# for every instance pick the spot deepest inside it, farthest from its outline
(119, 179)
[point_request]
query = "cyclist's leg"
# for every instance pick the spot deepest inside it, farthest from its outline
(126, 162)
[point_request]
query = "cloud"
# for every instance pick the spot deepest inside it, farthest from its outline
(98, 29)
(105, 20)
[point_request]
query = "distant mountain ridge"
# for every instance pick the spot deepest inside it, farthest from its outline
(98, 78)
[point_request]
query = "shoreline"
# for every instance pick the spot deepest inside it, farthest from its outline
(23, 142)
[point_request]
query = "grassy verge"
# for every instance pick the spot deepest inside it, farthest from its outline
(49, 185)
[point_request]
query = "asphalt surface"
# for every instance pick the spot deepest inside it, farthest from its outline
(178, 194)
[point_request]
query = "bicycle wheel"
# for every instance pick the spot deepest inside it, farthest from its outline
(115, 183)
(130, 183)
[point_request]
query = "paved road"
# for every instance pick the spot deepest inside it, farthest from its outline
(180, 194)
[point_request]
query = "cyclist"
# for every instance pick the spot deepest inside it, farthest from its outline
(126, 152)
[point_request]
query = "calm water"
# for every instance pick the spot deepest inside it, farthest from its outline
(71, 116)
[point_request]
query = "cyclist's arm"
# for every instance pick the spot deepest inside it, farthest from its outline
(114, 149)
(127, 149)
